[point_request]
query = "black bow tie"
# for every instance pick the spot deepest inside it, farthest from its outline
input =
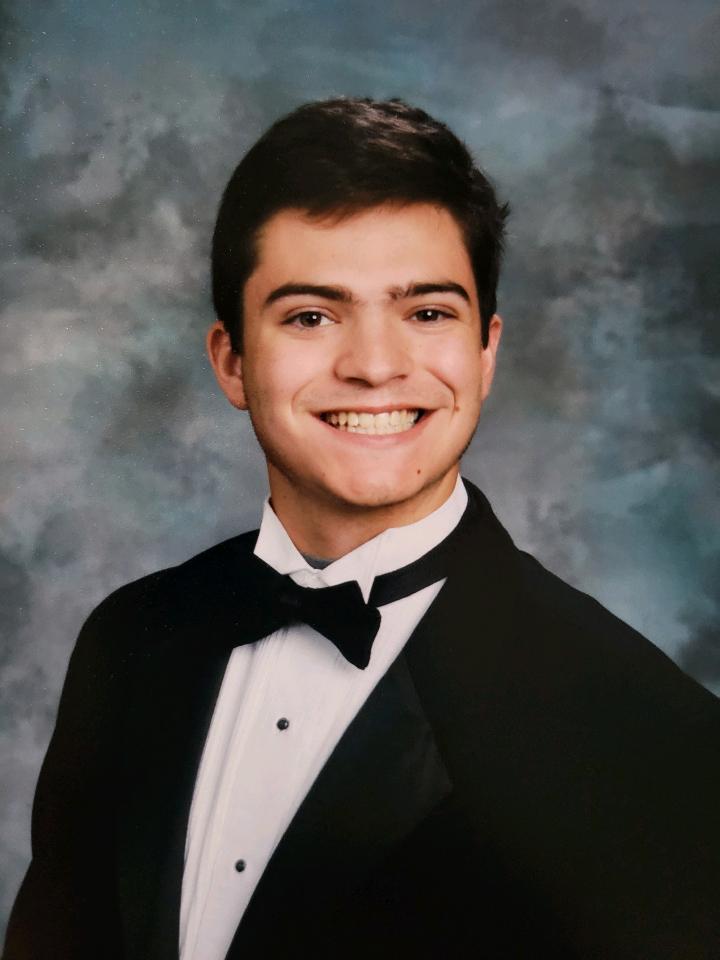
(339, 612)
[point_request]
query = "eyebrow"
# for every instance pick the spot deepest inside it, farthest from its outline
(343, 295)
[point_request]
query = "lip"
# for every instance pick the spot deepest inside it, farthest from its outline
(374, 439)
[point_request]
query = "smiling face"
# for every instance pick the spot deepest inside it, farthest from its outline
(362, 368)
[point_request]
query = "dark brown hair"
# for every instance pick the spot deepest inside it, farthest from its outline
(339, 157)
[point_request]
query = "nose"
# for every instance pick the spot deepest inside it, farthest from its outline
(374, 351)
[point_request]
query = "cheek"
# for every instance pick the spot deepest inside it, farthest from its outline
(279, 376)
(459, 367)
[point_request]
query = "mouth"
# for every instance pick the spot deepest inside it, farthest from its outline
(373, 424)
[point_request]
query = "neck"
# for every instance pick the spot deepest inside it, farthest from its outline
(329, 528)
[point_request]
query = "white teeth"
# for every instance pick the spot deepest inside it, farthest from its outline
(395, 421)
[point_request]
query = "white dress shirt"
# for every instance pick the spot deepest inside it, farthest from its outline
(284, 703)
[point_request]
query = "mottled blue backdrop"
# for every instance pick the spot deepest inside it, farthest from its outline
(598, 119)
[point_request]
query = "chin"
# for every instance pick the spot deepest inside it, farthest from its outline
(375, 494)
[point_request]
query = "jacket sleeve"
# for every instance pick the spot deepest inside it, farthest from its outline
(591, 770)
(66, 906)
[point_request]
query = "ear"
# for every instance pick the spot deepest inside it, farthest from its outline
(226, 364)
(489, 354)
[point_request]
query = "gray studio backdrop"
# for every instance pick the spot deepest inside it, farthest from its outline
(120, 123)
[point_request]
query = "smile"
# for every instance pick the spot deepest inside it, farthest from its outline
(373, 424)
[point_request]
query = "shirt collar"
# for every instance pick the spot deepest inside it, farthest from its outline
(389, 550)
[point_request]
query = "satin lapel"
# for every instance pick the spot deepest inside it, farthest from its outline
(384, 776)
(189, 635)
(462, 654)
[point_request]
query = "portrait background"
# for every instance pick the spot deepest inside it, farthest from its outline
(121, 122)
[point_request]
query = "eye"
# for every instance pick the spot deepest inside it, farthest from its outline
(432, 315)
(308, 320)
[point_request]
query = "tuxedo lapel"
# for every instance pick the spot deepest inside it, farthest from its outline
(180, 666)
(173, 705)
(384, 776)
(465, 643)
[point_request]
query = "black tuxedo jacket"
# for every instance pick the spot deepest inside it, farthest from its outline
(531, 778)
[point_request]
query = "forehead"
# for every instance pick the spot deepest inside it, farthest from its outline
(368, 250)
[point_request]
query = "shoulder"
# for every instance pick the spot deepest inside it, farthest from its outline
(566, 636)
(552, 598)
(177, 593)
(532, 594)
(587, 642)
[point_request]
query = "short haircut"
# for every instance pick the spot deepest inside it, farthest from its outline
(339, 157)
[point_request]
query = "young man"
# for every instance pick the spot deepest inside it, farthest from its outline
(376, 727)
